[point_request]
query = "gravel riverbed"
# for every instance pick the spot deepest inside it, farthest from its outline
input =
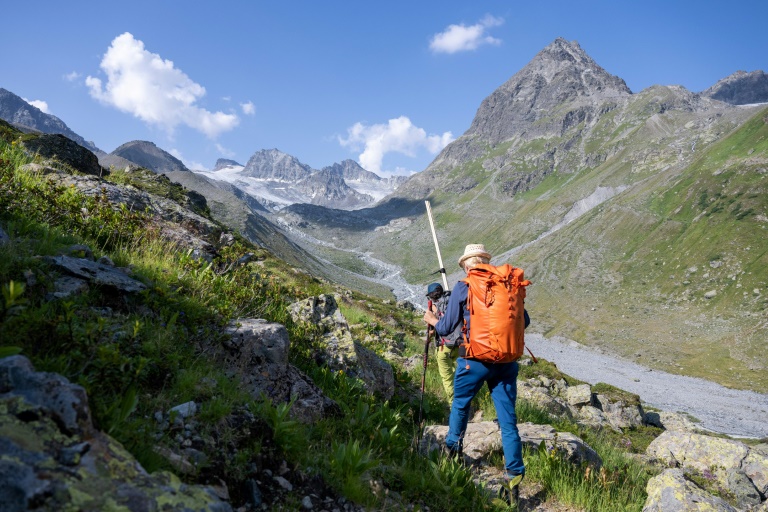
(728, 411)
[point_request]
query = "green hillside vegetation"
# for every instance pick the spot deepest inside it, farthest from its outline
(637, 270)
(136, 355)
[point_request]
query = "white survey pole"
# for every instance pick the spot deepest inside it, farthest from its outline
(437, 247)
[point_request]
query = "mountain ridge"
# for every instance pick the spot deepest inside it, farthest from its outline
(148, 155)
(15, 110)
(740, 88)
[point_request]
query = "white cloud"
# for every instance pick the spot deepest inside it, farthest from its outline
(458, 38)
(71, 77)
(398, 135)
(248, 108)
(227, 153)
(189, 164)
(151, 88)
(42, 105)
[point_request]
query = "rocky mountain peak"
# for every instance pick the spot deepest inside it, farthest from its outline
(146, 154)
(18, 112)
(223, 163)
(740, 88)
(566, 63)
(273, 164)
(351, 170)
(559, 74)
(328, 188)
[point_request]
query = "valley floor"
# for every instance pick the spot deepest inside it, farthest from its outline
(728, 411)
(733, 412)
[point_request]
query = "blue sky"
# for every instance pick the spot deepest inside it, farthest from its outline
(385, 83)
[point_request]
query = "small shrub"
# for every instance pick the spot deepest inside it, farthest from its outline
(287, 433)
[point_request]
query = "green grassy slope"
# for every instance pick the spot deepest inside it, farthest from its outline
(638, 272)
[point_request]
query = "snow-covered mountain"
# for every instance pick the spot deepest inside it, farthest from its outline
(278, 180)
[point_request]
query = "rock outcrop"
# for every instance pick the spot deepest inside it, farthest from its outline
(175, 222)
(340, 351)
(581, 404)
(672, 492)
(257, 353)
(224, 163)
(728, 467)
(560, 73)
(326, 188)
(66, 151)
(484, 438)
(52, 457)
(96, 273)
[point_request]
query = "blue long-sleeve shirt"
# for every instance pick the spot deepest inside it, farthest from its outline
(454, 311)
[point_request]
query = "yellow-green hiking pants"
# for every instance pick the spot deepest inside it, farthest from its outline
(446, 365)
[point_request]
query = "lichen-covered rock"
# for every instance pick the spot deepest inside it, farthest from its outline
(697, 451)
(713, 455)
(671, 492)
(579, 395)
(572, 447)
(591, 416)
(620, 414)
(257, 351)
(755, 465)
(322, 311)
(50, 393)
(743, 490)
(52, 459)
(341, 352)
(670, 421)
(543, 398)
(259, 340)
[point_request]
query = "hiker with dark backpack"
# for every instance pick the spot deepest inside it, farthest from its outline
(446, 347)
(490, 306)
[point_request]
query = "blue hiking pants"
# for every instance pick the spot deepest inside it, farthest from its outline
(502, 383)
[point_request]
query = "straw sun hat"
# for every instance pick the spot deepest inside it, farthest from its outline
(474, 250)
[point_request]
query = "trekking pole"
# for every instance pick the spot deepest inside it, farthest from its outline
(424, 375)
(437, 247)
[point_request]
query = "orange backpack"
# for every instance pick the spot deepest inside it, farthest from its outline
(496, 302)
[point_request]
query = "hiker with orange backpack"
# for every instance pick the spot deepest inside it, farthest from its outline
(490, 306)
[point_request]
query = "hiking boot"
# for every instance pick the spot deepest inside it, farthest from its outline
(451, 453)
(509, 491)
